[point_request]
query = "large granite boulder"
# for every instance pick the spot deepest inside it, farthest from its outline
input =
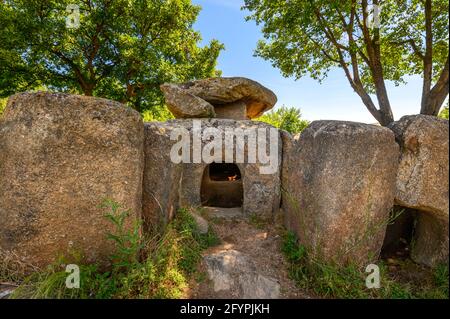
(161, 177)
(338, 182)
(233, 273)
(183, 104)
(422, 183)
(61, 155)
(234, 98)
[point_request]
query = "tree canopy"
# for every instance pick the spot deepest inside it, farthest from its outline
(121, 49)
(371, 42)
(285, 118)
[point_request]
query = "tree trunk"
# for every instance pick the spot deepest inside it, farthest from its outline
(436, 97)
(427, 59)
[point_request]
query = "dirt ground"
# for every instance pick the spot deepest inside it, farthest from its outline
(258, 240)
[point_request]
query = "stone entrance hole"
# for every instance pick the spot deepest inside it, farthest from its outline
(222, 186)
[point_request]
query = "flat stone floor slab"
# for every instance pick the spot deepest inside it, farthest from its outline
(227, 213)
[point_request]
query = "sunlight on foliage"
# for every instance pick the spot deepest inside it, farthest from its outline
(332, 281)
(2, 105)
(444, 113)
(156, 266)
(157, 114)
(122, 50)
(285, 118)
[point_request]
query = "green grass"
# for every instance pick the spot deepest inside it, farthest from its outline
(158, 267)
(331, 281)
(257, 221)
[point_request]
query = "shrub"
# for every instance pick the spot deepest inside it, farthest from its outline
(157, 114)
(444, 113)
(152, 267)
(2, 105)
(332, 281)
(285, 118)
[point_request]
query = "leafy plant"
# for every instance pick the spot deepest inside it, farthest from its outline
(444, 113)
(157, 114)
(327, 280)
(166, 264)
(2, 105)
(285, 118)
(440, 277)
(128, 242)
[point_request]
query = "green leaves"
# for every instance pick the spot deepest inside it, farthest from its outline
(443, 114)
(128, 241)
(285, 118)
(309, 37)
(2, 105)
(123, 50)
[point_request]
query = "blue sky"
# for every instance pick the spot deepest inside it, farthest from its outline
(334, 99)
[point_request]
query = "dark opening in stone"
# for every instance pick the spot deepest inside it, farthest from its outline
(224, 172)
(399, 234)
(222, 186)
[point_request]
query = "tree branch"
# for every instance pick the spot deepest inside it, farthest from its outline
(428, 58)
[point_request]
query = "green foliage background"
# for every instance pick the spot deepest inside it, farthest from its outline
(444, 112)
(123, 49)
(294, 41)
(2, 105)
(285, 118)
(312, 37)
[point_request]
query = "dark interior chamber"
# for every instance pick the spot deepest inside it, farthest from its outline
(222, 186)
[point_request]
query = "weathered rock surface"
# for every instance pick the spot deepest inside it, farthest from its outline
(230, 270)
(430, 243)
(221, 93)
(183, 104)
(202, 224)
(422, 183)
(6, 292)
(61, 155)
(234, 111)
(338, 182)
(261, 191)
(169, 185)
(161, 177)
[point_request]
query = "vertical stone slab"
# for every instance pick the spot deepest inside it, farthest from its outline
(169, 185)
(261, 191)
(61, 155)
(422, 183)
(338, 182)
(161, 177)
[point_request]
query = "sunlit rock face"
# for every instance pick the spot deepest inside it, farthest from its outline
(338, 185)
(234, 98)
(208, 178)
(61, 155)
(422, 183)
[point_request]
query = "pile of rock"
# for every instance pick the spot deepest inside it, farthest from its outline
(217, 103)
(61, 155)
(230, 98)
(340, 180)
